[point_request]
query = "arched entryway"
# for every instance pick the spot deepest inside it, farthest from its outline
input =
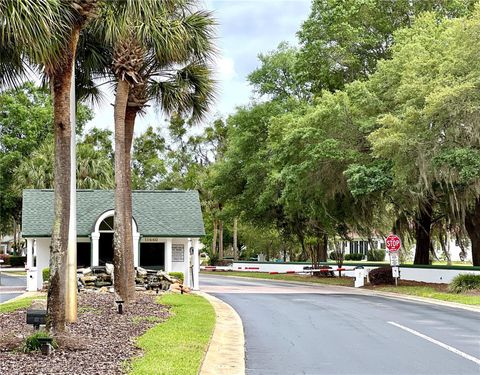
(102, 240)
(105, 242)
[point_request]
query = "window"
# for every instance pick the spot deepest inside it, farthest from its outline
(178, 253)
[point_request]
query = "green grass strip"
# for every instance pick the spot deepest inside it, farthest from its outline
(178, 345)
(343, 281)
(21, 303)
(426, 291)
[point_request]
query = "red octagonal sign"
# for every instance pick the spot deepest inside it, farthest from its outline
(393, 243)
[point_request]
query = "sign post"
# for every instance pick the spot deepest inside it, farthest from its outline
(394, 244)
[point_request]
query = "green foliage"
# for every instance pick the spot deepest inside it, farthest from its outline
(278, 76)
(46, 274)
(177, 275)
(376, 255)
(355, 257)
(26, 122)
(33, 343)
(342, 40)
(465, 282)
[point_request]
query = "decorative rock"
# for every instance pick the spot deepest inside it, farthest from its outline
(39, 304)
(141, 271)
(109, 268)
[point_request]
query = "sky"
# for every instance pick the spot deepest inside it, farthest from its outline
(245, 29)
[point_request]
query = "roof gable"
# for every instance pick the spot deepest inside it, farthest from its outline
(160, 213)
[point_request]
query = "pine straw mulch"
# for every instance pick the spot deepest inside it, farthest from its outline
(100, 342)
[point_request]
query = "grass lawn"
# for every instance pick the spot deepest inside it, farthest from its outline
(178, 345)
(18, 304)
(431, 292)
(344, 281)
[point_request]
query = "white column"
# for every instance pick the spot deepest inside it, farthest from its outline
(29, 253)
(95, 254)
(136, 249)
(188, 271)
(196, 265)
(168, 255)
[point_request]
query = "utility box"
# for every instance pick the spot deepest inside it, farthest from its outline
(359, 277)
(32, 279)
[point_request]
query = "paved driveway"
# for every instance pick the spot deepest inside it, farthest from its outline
(11, 286)
(293, 329)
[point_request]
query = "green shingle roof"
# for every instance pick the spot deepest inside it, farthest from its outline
(159, 213)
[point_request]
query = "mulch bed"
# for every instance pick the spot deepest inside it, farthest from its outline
(98, 343)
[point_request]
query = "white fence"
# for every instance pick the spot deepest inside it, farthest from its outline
(428, 274)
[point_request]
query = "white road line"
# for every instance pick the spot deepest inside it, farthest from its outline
(439, 343)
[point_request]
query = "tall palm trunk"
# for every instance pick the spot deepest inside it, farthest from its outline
(61, 82)
(120, 241)
(130, 115)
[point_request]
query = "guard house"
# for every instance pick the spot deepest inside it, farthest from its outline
(167, 226)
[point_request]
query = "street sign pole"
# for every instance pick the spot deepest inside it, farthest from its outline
(394, 244)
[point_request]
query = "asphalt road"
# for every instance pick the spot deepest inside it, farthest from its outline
(293, 329)
(11, 286)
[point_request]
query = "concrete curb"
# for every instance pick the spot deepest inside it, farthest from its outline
(226, 352)
(371, 292)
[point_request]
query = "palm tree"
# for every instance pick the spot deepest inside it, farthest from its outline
(160, 51)
(94, 169)
(44, 34)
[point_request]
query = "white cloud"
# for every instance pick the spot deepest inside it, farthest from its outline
(224, 68)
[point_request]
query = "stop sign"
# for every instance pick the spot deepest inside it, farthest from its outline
(393, 243)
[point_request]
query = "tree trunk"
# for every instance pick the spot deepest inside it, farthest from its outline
(220, 239)
(235, 244)
(214, 240)
(472, 225)
(130, 116)
(61, 82)
(120, 257)
(422, 234)
(323, 242)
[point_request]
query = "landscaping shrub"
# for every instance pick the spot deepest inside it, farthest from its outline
(177, 275)
(17, 261)
(212, 261)
(382, 275)
(32, 342)
(356, 257)
(464, 282)
(46, 274)
(333, 255)
(376, 255)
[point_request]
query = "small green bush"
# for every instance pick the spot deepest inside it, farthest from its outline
(32, 343)
(17, 261)
(213, 260)
(333, 255)
(464, 282)
(353, 257)
(46, 274)
(376, 255)
(177, 275)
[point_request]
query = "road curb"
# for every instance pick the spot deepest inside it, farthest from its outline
(226, 352)
(371, 292)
